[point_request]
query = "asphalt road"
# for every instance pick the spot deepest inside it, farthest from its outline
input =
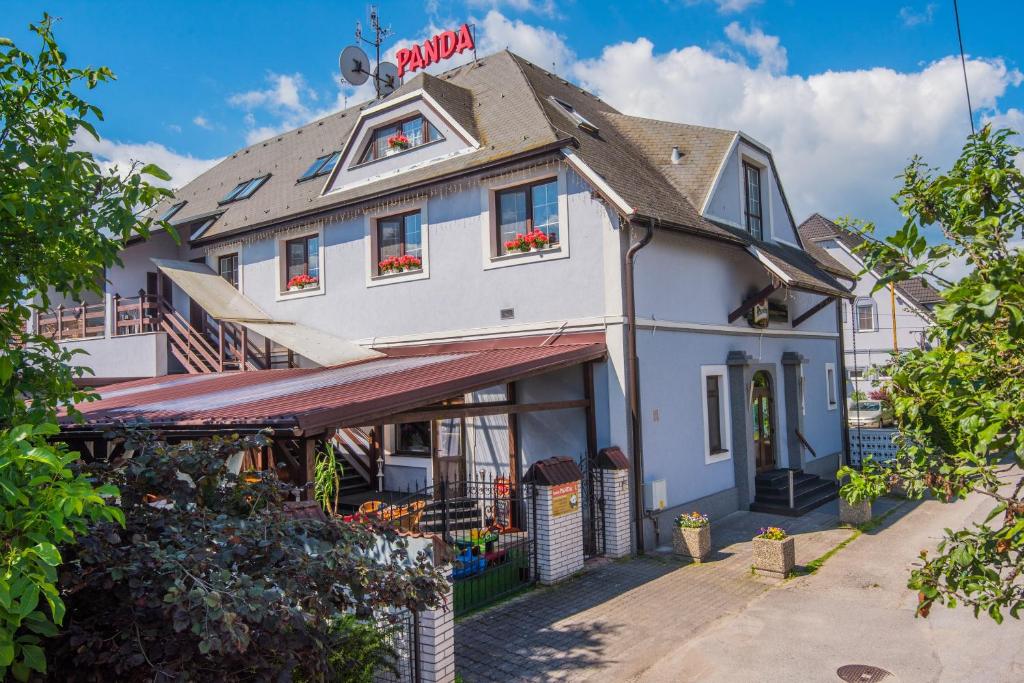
(856, 610)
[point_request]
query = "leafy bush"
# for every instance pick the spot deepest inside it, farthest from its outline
(212, 580)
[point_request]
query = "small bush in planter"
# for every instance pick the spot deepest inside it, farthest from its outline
(691, 536)
(861, 489)
(774, 552)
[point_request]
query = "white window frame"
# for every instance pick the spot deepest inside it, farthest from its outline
(488, 230)
(755, 158)
(865, 303)
(722, 372)
(213, 258)
(831, 388)
(370, 230)
(280, 261)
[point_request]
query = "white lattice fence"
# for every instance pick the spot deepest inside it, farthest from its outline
(877, 443)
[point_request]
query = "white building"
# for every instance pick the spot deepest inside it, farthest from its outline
(873, 328)
(672, 239)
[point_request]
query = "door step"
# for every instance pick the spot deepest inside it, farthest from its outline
(771, 492)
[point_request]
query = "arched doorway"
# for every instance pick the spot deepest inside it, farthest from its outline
(762, 405)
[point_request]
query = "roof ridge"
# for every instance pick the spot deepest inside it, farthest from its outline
(540, 105)
(671, 123)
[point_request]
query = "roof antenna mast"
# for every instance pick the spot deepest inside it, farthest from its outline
(963, 65)
(355, 65)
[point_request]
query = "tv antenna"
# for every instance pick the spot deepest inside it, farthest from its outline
(355, 65)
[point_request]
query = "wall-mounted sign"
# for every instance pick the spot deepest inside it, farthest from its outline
(433, 50)
(768, 311)
(759, 314)
(565, 498)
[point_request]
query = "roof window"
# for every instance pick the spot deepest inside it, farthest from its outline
(322, 166)
(580, 120)
(245, 189)
(200, 227)
(171, 210)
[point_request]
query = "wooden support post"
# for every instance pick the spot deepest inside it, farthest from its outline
(812, 310)
(220, 346)
(266, 352)
(513, 437)
(60, 322)
(244, 351)
(751, 301)
(588, 394)
(116, 305)
(309, 474)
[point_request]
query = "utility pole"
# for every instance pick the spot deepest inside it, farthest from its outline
(892, 300)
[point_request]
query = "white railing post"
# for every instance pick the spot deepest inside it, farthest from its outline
(791, 489)
(108, 314)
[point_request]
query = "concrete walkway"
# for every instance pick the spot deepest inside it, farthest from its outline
(619, 619)
(857, 610)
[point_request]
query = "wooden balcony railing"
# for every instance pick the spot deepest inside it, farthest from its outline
(73, 322)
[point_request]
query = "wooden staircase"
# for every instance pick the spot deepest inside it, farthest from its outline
(354, 447)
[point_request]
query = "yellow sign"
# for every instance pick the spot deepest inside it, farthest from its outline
(565, 499)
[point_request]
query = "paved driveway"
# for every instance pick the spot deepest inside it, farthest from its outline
(617, 620)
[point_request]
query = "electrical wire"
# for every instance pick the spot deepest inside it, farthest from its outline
(963, 65)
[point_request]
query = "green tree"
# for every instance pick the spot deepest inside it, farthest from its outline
(62, 221)
(958, 404)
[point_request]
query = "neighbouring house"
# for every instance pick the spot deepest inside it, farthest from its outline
(480, 271)
(875, 324)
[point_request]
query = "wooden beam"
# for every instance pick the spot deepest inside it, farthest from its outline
(588, 394)
(482, 409)
(812, 310)
(513, 437)
(751, 301)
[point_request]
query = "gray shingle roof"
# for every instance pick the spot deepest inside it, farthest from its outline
(818, 228)
(505, 102)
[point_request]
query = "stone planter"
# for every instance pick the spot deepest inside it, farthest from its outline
(692, 543)
(854, 515)
(774, 558)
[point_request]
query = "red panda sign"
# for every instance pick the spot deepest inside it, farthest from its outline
(433, 50)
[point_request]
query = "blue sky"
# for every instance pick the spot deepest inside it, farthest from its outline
(854, 88)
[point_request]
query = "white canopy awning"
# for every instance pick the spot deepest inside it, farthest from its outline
(221, 301)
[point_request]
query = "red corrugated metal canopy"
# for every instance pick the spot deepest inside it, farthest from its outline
(316, 398)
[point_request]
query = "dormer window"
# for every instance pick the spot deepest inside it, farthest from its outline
(245, 189)
(581, 121)
(398, 137)
(322, 166)
(199, 228)
(169, 213)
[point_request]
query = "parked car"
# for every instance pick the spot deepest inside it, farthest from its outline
(870, 414)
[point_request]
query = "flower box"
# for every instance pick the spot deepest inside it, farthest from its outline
(855, 514)
(694, 543)
(399, 264)
(774, 556)
(300, 282)
(525, 242)
(397, 143)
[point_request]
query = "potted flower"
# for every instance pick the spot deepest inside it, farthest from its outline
(398, 264)
(537, 239)
(398, 142)
(300, 282)
(774, 552)
(691, 536)
(861, 489)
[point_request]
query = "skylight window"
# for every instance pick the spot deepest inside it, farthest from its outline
(580, 120)
(322, 166)
(199, 229)
(245, 189)
(169, 213)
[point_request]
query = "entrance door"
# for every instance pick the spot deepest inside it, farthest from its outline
(763, 415)
(449, 449)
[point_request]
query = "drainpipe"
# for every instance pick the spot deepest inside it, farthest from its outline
(841, 379)
(633, 388)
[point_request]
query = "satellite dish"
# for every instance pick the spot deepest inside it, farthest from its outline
(354, 63)
(386, 74)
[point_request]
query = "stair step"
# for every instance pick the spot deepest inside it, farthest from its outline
(801, 505)
(807, 489)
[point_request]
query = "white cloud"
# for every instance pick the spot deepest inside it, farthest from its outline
(202, 122)
(118, 155)
(840, 137)
(912, 17)
(729, 6)
(173, 127)
(771, 55)
(544, 7)
(543, 47)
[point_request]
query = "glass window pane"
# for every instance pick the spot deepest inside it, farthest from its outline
(329, 165)
(414, 438)
(714, 417)
(511, 217)
(234, 192)
(313, 257)
(413, 239)
(296, 258)
(545, 209)
(389, 237)
(413, 130)
(434, 133)
(313, 169)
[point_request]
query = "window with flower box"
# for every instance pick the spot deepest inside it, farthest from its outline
(398, 137)
(398, 243)
(302, 263)
(527, 217)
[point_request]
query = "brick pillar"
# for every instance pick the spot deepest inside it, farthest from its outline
(437, 642)
(618, 531)
(558, 523)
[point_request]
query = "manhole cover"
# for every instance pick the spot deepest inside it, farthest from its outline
(862, 673)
